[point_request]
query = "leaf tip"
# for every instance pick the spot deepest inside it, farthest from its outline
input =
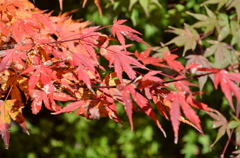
(176, 140)
(54, 113)
(27, 132)
(164, 133)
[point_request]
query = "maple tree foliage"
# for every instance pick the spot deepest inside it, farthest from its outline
(220, 60)
(47, 59)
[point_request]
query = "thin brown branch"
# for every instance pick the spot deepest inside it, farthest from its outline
(232, 130)
(206, 35)
(157, 84)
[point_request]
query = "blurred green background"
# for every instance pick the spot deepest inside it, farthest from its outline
(70, 136)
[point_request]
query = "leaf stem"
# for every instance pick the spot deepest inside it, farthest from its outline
(232, 130)
(226, 145)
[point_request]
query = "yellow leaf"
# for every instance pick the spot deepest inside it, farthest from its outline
(5, 108)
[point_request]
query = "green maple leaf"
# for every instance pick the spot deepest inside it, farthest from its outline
(235, 32)
(144, 4)
(219, 122)
(222, 55)
(234, 4)
(224, 30)
(209, 21)
(187, 37)
(220, 3)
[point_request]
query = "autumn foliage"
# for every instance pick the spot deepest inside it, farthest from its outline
(57, 62)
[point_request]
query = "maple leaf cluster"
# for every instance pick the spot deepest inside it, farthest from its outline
(45, 60)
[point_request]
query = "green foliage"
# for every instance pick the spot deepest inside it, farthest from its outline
(216, 28)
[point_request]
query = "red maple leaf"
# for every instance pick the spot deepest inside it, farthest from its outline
(23, 29)
(44, 20)
(42, 73)
(148, 81)
(142, 102)
(127, 102)
(170, 59)
(120, 30)
(62, 96)
(86, 43)
(226, 81)
(147, 59)
(84, 64)
(183, 85)
(121, 60)
(177, 99)
(40, 97)
(73, 106)
(13, 58)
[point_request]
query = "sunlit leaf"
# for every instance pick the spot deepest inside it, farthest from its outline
(202, 62)
(221, 123)
(225, 28)
(220, 3)
(209, 21)
(235, 31)
(10, 111)
(234, 4)
(187, 37)
(144, 4)
(221, 53)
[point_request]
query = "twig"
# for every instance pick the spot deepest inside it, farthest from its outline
(226, 145)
